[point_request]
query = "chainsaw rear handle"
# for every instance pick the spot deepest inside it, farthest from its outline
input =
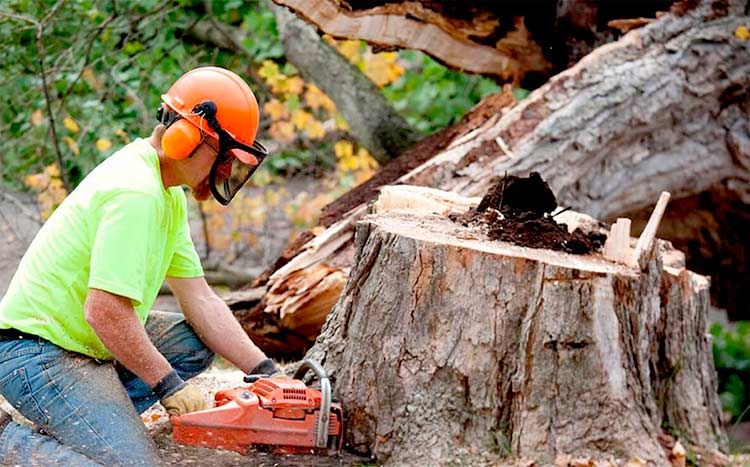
(321, 437)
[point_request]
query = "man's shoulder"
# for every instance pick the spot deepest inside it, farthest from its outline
(134, 168)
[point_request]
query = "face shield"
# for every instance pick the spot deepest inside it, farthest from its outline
(234, 165)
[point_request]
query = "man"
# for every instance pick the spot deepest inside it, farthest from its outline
(75, 357)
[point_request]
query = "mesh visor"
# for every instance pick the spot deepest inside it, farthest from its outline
(234, 165)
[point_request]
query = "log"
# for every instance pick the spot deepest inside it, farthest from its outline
(609, 134)
(413, 25)
(450, 349)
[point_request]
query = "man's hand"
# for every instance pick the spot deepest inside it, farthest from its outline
(186, 400)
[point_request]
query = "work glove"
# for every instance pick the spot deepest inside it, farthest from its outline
(185, 400)
(177, 396)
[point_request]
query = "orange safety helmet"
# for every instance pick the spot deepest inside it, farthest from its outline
(214, 101)
(236, 110)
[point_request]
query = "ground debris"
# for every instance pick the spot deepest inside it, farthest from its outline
(520, 210)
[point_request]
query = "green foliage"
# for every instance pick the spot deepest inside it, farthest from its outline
(105, 65)
(732, 362)
(431, 96)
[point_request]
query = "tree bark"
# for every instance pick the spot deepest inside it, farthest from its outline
(371, 119)
(663, 109)
(446, 348)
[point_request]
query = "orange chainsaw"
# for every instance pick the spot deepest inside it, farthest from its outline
(284, 414)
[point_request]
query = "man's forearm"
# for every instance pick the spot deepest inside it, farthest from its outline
(115, 323)
(214, 322)
(220, 331)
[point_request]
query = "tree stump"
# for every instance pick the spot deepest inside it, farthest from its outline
(447, 348)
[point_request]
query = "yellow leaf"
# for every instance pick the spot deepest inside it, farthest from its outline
(283, 131)
(350, 50)
(89, 76)
(314, 129)
(341, 123)
(72, 145)
(381, 68)
(394, 72)
(37, 117)
(291, 86)
(70, 124)
(343, 149)
(268, 70)
(37, 182)
(276, 109)
(366, 161)
(742, 33)
(316, 99)
(52, 170)
(122, 135)
(301, 118)
(103, 144)
(348, 163)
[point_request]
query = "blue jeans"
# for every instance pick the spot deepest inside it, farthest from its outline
(87, 411)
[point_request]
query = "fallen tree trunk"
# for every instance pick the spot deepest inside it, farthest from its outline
(447, 348)
(663, 109)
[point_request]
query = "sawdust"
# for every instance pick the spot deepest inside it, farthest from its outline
(519, 210)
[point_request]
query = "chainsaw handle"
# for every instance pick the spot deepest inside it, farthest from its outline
(321, 437)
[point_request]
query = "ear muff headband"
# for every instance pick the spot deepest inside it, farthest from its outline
(181, 137)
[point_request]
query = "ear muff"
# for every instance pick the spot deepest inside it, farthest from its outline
(180, 139)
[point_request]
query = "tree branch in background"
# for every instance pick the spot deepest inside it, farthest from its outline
(373, 121)
(47, 99)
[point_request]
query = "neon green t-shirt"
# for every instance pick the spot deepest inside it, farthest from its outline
(118, 231)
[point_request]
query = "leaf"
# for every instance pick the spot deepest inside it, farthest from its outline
(316, 99)
(282, 130)
(89, 76)
(314, 129)
(72, 145)
(52, 170)
(742, 33)
(37, 118)
(349, 49)
(276, 109)
(36, 182)
(70, 124)
(103, 144)
(383, 68)
(269, 70)
(119, 132)
(301, 118)
(291, 86)
(343, 149)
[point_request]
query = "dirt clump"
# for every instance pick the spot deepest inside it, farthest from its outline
(519, 210)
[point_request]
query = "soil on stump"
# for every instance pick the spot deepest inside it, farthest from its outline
(519, 210)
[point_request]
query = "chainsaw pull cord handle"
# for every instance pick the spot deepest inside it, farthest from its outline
(321, 437)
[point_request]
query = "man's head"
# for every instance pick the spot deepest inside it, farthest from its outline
(211, 115)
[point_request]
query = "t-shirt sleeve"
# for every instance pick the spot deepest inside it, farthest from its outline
(120, 251)
(185, 261)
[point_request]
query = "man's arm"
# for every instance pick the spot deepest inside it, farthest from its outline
(114, 321)
(214, 322)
